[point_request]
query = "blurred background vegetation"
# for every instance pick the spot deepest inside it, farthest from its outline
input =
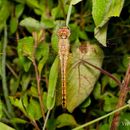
(28, 25)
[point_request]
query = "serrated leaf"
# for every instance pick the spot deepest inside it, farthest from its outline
(18, 103)
(52, 84)
(74, 2)
(102, 11)
(5, 127)
(26, 47)
(65, 120)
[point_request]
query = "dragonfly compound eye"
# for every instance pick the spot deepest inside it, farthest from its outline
(63, 33)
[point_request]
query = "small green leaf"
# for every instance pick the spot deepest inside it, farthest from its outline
(13, 25)
(18, 103)
(65, 120)
(42, 53)
(19, 10)
(18, 120)
(54, 42)
(33, 3)
(110, 103)
(126, 60)
(104, 127)
(26, 47)
(86, 103)
(34, 110)
(5, 11)
(25, 81)
(74, 2)
(5, 127)
(14, 84)
(31, 24)
(97, 91)
(112, 83)
(52, 84)
(1, 109)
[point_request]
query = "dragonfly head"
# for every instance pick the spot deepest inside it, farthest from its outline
(63, 33)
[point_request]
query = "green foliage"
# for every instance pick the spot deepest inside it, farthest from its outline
(4, 126)
(65, 120)
(52, 84)
(33, 68)
(102, 12)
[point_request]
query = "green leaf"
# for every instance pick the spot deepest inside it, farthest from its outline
(48, 23)
(65, 120)
(19, 10)
(33, 3)
(52, 84)
(1, 109)
(54, 42)
(31, 24)
(25, 81)
(112, 83)
(110, 103)
(34, 110)
(126, 60)
(97, 91)
(124, 121)
(5, 127)
(18, 120)
(81, 77)
(18, 103)
(102, 11)
(14, 84)
(42, 53)
(4, 13)
(13, 25)
(86, 103)
(104, 127)
(74, 2)
(26, 47)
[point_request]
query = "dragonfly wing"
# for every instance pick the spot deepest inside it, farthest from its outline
(81, 78)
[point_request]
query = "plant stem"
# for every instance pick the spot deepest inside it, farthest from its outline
(47, 116)
(105, 72)
(68, 15)
(35, 125)
(39, 89)
(3, 74)
(102, 117)
(38, 77)
(122, 97)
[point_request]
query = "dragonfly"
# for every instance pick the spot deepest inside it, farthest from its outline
(78, 77)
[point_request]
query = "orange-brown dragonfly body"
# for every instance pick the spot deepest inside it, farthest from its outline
(63, 45)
